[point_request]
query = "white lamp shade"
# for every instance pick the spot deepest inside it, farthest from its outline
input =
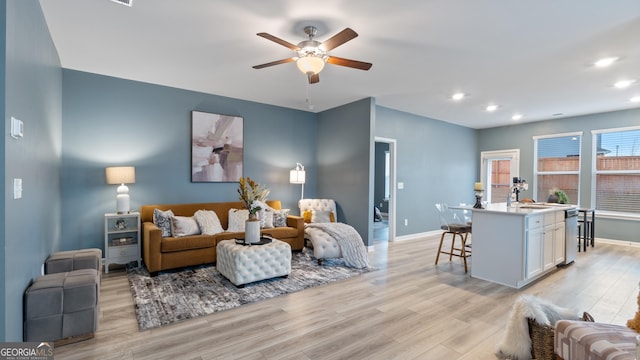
(120, 175)
(297, 176)
(310, 64)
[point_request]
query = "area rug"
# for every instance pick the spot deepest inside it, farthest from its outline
(174, 296)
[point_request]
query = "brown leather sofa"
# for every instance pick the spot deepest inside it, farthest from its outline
(165, 253)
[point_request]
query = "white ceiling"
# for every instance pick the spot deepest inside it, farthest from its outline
(530, 57)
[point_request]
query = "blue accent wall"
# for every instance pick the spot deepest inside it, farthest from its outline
(345, 163)
(521, 137)
(32, 93)
(110, 121)
(436, 161)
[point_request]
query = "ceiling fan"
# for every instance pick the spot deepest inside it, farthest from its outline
(312, 54)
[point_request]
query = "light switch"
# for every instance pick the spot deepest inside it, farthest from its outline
(400, 185)
(17, 188)
(17, 128)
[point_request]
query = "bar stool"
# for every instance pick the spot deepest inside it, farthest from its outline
(586, 227)
(456, 227)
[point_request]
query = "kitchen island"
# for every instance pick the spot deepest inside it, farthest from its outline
(517, 245)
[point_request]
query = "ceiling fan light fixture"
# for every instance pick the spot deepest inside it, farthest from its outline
(310, 64)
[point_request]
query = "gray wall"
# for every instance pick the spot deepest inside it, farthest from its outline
(345, 163)
(436, 161)
(33, 81)
(521, 137)
(110, 121)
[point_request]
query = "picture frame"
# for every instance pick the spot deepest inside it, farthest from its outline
(217, 147)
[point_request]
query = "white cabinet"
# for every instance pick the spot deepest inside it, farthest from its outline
(559, 242)
(121, 239)
(535, 244)
(548, 248)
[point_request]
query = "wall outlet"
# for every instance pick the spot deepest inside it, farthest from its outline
(406, 222)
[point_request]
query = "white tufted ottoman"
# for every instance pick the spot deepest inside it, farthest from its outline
(245, 264)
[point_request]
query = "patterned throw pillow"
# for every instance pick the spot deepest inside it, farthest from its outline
(184, 226)
(208, 222)
(237, 218)
(280, 217)
(162, 219)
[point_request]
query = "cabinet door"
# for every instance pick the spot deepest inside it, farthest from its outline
(548, 247)
(559, 243)
(535, 241)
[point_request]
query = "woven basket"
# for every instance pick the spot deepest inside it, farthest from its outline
(542, 347)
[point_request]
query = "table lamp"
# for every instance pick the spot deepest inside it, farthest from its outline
(121, 175)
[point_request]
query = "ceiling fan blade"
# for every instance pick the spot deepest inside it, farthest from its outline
(314, 78)
(279, 41)
(349, 63)
(278, 62)
(338, 39)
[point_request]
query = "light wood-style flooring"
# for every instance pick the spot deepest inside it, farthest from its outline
(408, 309)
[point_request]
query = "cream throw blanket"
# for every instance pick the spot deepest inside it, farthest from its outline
(516, 343)
(351, 245)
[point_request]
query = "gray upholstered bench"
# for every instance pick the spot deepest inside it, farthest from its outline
(62, 307)
(64, 261)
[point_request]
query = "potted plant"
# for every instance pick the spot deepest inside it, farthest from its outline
(558, 196)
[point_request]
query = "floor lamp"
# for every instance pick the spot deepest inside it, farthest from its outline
(298, 176)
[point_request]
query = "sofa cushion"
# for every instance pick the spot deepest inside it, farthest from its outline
(237, 218)
(172, 244)
(280, 217)
(162, 219)
(208, 222)
(184, 226)
(280, 232)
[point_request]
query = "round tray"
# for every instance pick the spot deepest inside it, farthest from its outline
(263, 240)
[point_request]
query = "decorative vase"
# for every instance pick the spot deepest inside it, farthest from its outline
(252, 229)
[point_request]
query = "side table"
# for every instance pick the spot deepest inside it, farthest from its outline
(121, 239)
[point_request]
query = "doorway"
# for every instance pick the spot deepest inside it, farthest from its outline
(384, 191)
(498, 170)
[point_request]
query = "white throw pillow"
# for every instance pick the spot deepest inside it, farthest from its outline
(184, 226)
(162, 219)
(208, 222)
(237, 218)
(321, 216)
(266, 219)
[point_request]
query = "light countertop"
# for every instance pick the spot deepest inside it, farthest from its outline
(523, 209)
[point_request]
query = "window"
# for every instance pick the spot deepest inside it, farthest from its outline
(616, 170)
(557, 165)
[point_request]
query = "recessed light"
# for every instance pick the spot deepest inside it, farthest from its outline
(623, 83)
(458, 96)
(635, 99)
(516, 117)
(604, 62)
(492, 107)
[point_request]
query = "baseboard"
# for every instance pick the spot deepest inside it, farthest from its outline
(617, 242)
(434, 233)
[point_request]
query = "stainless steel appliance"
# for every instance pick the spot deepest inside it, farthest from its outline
(571, 235)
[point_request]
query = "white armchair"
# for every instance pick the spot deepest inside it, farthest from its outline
(324, 246)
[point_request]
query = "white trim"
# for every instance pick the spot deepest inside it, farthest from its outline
(393, 156)
(512, 155)
(604, 131)
(617, 242)
(617, 215)
(419, 235)
(577, 133)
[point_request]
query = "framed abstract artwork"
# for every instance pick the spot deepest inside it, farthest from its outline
(216, 147)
